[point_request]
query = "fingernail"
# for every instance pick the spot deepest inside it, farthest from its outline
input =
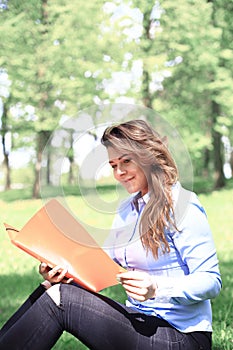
(57, 268)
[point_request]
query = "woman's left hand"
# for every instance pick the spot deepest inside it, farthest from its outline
(138, 285)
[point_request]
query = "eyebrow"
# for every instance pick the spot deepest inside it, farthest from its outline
(123, 155)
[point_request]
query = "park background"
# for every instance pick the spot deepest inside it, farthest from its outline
(58, 58)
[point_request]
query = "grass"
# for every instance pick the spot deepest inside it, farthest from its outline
(19, 272)
(219, 206)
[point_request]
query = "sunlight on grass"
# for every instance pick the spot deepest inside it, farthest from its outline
(19, 272)
(219, 207)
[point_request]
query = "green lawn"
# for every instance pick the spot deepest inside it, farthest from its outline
(19, 271)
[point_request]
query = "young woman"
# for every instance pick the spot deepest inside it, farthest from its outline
(162, 237)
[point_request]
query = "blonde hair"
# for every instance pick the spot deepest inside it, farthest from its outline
(151, 152)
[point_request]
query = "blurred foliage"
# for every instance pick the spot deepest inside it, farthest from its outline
(185, 48)
(172, 56)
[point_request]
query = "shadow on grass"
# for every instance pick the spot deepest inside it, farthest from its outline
(206, 186)
(200, 185)
(15, 289)
(16, 194)
(53, 191)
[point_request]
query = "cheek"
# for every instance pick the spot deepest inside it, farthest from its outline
(141, 173)
(115, 175)
(143, 178)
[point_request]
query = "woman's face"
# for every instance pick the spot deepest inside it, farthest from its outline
(127, 171)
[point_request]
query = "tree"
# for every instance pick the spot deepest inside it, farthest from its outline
(4, 134)
(51, 61)
(5, 131)
(153, 53)
(207, 78)
(222, 85)
(172, 43)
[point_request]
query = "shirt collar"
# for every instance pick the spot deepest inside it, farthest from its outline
(175, 192)
(139, 201)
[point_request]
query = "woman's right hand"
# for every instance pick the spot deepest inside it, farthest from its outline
(55, 275)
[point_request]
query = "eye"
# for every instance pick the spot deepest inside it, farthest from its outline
(127, 160)
(113, 166)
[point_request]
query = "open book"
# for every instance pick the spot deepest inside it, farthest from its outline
(49, 237)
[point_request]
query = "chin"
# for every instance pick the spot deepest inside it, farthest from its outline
(132, 190)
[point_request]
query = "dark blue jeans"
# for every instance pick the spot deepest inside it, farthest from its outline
(95, 320)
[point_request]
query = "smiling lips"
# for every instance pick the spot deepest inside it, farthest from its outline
(128, 180)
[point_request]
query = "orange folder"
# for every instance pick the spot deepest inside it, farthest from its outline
(49, 237)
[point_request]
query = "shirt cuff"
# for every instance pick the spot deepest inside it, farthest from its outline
(46, 284)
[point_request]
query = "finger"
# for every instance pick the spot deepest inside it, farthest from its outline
(42, 267)
(138, 297)
(56, 279)
(57, 271)
(134, 283)
(53, 275)
(135, 290)
(132, 275)
(146, 283)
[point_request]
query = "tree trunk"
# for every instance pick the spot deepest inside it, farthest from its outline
(70, 155)
(8, 172)
(6, 151)
(146, 96)
(146, 46)
(42, 139)
(48, 168)
(219, 179)
(43, 135)
(206, 162)
(231, 163)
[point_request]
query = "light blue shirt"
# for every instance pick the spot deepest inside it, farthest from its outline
(187, 277)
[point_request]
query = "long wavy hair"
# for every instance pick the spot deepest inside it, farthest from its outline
(152, 155)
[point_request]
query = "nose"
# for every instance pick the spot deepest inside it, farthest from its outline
(120, 170)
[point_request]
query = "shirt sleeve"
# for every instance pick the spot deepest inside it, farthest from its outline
(195, 246)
